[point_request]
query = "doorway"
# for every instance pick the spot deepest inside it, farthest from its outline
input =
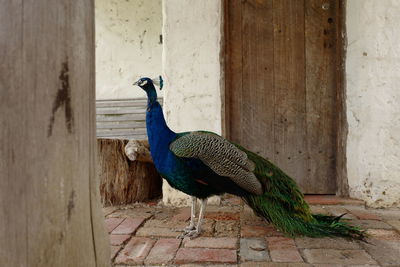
(283, 85)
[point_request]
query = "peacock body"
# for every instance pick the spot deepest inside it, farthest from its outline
(202, 164)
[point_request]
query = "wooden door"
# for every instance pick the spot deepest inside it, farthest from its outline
(282, 82)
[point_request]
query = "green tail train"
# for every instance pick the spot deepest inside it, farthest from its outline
(284, 206)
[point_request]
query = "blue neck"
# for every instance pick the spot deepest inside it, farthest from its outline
(151, 95)
(158, 132)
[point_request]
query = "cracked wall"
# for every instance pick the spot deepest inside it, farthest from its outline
(127, 45)
(373, 101)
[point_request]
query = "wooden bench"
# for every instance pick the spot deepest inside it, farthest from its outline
(122, 119)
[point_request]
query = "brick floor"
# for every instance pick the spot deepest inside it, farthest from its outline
(144, 234)
(163, 251)
(128, 226)
(205, 255)
(211, 242)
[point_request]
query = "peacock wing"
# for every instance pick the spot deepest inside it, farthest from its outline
(219, 155)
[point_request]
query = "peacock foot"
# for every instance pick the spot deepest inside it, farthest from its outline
(191, 234)
(186, 229)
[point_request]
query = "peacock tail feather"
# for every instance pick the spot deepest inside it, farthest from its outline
(284, 206)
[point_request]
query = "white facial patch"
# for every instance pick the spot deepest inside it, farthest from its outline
(143, 83)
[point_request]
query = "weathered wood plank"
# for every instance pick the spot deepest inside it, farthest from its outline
(125, 137)
(121, 110)
(116, 132)
(120, 124)
(289, 83)
(134, 102)
(257, 92)
(51, 206)
(121, 117)
(320, 37)
(234, 70)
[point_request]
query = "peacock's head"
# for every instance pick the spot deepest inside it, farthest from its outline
(147, 84)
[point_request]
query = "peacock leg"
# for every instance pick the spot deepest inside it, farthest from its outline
(191, 225)
(196, 232)
(192, 215)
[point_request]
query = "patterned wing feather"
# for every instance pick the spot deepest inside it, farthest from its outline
(221, 156)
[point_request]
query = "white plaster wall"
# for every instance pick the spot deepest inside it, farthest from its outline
(127, 45)
(373, 101)
(192, 71)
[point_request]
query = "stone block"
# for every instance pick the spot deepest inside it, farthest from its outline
(253, 250)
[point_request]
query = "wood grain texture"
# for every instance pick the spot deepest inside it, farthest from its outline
(48, 187)
(320, 44)
(234, 50)
(257, 76)
(282, 91)
(289, 85)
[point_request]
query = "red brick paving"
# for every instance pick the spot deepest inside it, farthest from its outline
(331, 200)
(128, 226)
(285, 255)
(205, 255)
(239, 238)
(280, 242)
(211, 242)
(163, 251)
(116, 240)
(135, 251)
(259, 231)
(364, 215)
(182, 215)
(112, 223)
(114, 251)
(222, 216)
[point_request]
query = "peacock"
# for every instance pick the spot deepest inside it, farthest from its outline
(202, 164)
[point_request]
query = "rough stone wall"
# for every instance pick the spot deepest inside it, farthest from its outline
(192, 71)
(373, 101)
(127, 45)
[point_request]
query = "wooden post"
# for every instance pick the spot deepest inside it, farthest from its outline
(49, 199)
